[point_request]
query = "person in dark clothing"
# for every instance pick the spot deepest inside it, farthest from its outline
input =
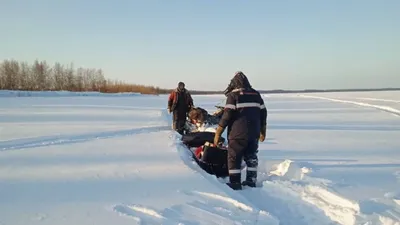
(179, 102)
(245, 115)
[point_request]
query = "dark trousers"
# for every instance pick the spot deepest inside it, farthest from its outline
(179, 121)
(239, 150)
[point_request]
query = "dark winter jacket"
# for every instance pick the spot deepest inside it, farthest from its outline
(245, 112)
(180, 101)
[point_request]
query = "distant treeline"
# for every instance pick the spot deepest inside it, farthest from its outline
(40, 76)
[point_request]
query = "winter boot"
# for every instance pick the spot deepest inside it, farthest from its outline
(235, 186)
(234, 181)
(251, 178)
(249, 183)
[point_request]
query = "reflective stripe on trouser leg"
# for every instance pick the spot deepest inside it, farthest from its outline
(252, 169)
(235, 171)
(251, 159)
(235, 155)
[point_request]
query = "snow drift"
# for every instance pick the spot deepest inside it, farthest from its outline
(115, 160)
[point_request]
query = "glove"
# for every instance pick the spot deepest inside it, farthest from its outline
(218, 134)
(262, 133)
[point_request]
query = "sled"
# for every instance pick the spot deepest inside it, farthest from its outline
(212, 159)
(197, 139)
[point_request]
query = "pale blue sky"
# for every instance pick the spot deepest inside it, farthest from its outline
(279, 44)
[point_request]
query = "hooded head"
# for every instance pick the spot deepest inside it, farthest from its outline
(238, 81)
(181, 86)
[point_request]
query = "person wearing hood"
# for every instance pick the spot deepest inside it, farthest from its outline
(179, 103)
(245, 115)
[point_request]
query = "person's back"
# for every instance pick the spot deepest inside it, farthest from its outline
(246, 123)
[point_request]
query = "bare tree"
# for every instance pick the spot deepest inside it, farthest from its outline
(59, 79)
(26, 81)
(99, 80)
(10, 74)
(79, 79)
(41, 72)
(69, 75)
(2, 77)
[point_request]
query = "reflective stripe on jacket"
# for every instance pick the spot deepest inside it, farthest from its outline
(244, 114)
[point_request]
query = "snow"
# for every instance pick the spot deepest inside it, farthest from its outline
(329, 158)
(383, 108)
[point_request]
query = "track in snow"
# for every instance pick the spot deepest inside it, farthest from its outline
(288, 209)
(295, 202)
(388, 109)
(25, 143)
(380, 100)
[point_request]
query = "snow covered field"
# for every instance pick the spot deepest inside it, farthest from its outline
(114, 160)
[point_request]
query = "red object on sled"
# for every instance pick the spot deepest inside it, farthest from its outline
(199, 151)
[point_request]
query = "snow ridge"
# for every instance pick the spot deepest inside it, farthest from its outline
(290, 197)
(283, 209)
(25, 143)
(388, 109)
(379, 100)
(260, 214)
(228, 200)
